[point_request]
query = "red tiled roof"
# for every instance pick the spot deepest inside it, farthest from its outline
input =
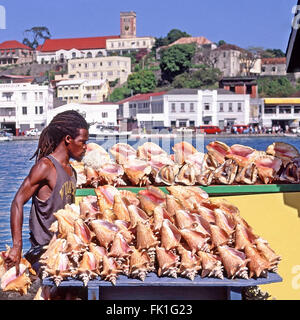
(51, 45)
(142, 97)
(228, 46)
(273, 60)
(13, 44)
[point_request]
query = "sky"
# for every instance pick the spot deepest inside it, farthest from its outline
(259, 23)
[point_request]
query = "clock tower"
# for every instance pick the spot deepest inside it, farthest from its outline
(128, 24)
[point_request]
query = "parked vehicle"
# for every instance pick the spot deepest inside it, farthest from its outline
(210, 129)
(33, 132)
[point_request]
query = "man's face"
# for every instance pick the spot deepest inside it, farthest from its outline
(77, 146)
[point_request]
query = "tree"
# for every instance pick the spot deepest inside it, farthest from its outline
(275, 87)
(142, 81)
(176, 34)
(119, 94)
(36, 34)
(220, 43)
(176, 60)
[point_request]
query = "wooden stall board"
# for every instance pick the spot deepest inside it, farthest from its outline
(233, 287)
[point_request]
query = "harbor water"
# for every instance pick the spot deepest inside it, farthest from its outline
(15, 166)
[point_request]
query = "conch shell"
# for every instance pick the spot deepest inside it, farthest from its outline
(105, 195)
(110, 270)
(211, 265)
(186, 175)
(226, 172)
(139, 264)
(284, 151)
(168, 263)
(182, 150)
(105, 231)
(268, 168)
(149, 150)
(111, 173)
(170, 235)
(258, 265)
(265, 250)
(120, 208)
(88, 267)
(234, 262)
(137, 171)
(89, 209)
(217, 151)
(123, 152)
(150, 198)
(189, 263)
(167, 174)
(195, 240)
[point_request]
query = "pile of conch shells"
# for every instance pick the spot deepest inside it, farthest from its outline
(151, 165)
(182, 233)
(10, 281)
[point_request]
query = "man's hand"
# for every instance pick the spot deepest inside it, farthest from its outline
(13, 258)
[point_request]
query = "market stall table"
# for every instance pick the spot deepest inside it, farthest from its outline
(160, 288)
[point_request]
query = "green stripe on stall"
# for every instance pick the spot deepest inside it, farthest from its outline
(217, 190)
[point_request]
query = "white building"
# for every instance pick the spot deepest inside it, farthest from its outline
(104, 113)
(186, 108)
(24, 106)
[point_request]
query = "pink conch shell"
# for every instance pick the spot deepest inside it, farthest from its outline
(150, 198)
(65, 218)
(226, 206)
(182, 150)
(234, 262)
(110, 270)
(168, 263)
(88, 267)
(226, 172)
(145, 238)
(105, 231)
(268, 168)
(139, 264)
(283, 151)
(149, 150)
(89, 208)
(211, 265)
(137, 171)
(92, 177)
(120, 208)
(55, 246)
(111, 173)
(123, 152)
(217, 151)
(136, 214)
(201, 225)
(189, 263)
(119, 247)
(172, 205)
(130, 196)
(184, 219)
(125, 230)
(247, 174)
(242, 155)
(95, 156)
(105, 195)
(80, 173)
(167, 174)
(243, 237)
(224, 221)
(186, 175)
(195, 240)
(170, 235)
(206, 214)
(258, 265)
(218, 236)
(75, 247)
(159, 161)
(98, 253)
(11, 282)
(159, 215)
(265, 250)
(82, 231)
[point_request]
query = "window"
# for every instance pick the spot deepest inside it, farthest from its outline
(104, 114)
(73, 65)
(273, 69)
(173, 123)
(182, 107)
(192, 123)
(230, 107)
(94, 64)
(24, 110)
(221, 109)
(73, 55)
(263, 69)
(24, 96)
(206, 107)
(192, 107)
(95, 74)
(86, 65)
(239, 109)
(36, 96)
(40, 95)
(41, 110)
(36, 110)
(86, 75)
(224, 54)
(109, 63)
(173, 109)
(89, 55)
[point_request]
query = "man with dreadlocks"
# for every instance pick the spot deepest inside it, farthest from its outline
(51, 184)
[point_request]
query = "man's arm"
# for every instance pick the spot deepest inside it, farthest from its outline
(37, 175)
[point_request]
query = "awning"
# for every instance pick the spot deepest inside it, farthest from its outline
(291, 101)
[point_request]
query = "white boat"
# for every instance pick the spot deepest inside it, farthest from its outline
(99, 131)
(5, 136)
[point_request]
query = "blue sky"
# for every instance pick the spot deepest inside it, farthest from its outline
(263, 23)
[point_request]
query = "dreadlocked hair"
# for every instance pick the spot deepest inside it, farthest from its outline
(63, 124)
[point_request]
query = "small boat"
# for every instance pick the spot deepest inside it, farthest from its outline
(99, 131)
(5, 136)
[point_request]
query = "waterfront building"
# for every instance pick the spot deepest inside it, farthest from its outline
(14, 53)
(273, 67)
(185, 108)
(103, 113)
(24, 106)
(281, 112)
(110, 68)
(62, 50)
(82, 91)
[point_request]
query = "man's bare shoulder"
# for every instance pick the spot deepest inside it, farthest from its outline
(42, 168)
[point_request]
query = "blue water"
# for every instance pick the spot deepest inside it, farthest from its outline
(15, 166)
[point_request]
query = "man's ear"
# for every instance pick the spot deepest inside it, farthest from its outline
(68, 139)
